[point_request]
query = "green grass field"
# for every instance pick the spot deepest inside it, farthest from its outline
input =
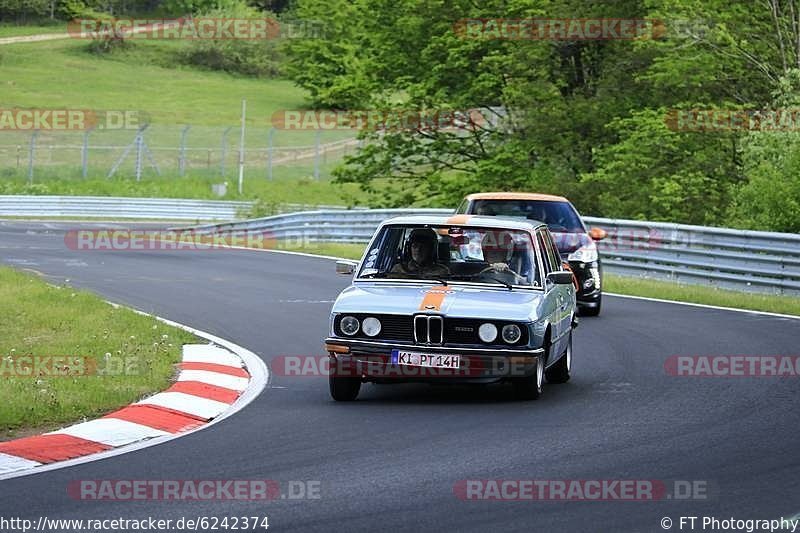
(148, 80)
(134, 354)
(62, 74)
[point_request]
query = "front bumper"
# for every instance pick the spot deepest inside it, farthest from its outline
(371, 361)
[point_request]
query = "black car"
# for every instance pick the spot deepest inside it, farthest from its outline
(576, 245)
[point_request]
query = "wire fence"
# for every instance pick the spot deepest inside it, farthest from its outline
(172, 151)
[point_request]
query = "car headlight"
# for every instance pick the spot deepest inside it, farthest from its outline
(511, 333)
(349, 325)
(487, 332)
(584, 254)
(371, 326)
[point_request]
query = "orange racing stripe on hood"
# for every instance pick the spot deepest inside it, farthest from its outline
(433, 299)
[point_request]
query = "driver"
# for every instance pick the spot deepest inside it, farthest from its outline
(498, 248)
(419, 256)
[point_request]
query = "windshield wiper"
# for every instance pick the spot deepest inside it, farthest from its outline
(386, 275)
(498, 280)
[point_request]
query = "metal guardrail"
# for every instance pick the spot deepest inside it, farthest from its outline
(354, 226)
(721, 257)
(117, 207)
(718, 257)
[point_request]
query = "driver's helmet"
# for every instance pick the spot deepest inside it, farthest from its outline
(426, 237)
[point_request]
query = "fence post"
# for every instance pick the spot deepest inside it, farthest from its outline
(270, 147)
(317, 140)
(224, 151)
(182, 156)
(241, 147)
(139, 153)
(31, 153)
(85, 154)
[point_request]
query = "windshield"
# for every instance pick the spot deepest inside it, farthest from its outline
(559, 216)
(453, 254)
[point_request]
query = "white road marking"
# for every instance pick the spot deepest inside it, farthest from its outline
(214, 378)
(111, 431)
(208, 353)
(187, 403)
(705, 306)
(10, 463)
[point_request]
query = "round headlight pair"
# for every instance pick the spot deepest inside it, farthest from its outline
(350, 325)
(511, 333)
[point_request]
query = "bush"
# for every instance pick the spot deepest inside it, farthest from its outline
(260, 209)
(258, 58)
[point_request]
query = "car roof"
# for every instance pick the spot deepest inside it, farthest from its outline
(514, 196)
(466, 220)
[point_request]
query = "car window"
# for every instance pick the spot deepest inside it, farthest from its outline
(559, 216)
(554, 263)
(543, 249)
(552, 250)
(453, 253)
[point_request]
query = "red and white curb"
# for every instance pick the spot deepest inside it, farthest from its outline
(214, 382)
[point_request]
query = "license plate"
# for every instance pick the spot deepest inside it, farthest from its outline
(430, 360)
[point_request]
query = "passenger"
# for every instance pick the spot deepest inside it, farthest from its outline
(498, 249)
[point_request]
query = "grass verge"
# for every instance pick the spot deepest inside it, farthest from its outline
(116, 356)
(699, 294)
(64, 75)
(648, 288)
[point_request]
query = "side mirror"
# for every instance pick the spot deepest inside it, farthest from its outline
(562, 277)
(346, 267)
(598, 234)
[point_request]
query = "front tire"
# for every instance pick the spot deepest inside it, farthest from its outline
(530, 387)
(559, 372)
(344, 389)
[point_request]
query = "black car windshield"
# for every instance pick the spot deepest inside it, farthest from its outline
(559, 216)
(453, 254)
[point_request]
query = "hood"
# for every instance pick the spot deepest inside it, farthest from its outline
(568, 242)
(453, 300)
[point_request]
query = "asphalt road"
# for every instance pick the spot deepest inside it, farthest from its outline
(391, 460)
